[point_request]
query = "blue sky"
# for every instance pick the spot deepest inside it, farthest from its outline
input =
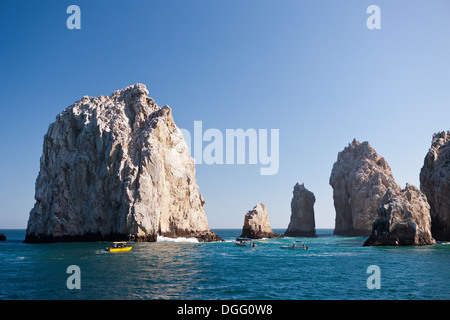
(311, 69)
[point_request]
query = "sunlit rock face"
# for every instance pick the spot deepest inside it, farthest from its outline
(359, 178)
(256, 224)
(113, 168)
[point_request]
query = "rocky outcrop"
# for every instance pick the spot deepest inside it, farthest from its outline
(2, 237)
(302, 222)
(256, 224)
(435, 183)
(360, 177)
(116, 168)
(403, 219)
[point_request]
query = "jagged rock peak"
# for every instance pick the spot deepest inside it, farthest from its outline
(435, 183)
(359, 178)
(302, 223)
(115, 168)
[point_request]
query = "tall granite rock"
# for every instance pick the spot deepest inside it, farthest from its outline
(435, 183)
(360, 177)
(256, 224)
(302, 222)
(116, 168)
(403, 219)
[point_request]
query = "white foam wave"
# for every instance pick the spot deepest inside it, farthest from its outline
(180, 239)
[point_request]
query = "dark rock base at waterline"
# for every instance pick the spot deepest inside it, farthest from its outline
(259, 235)
(309, 234)
(88, 237)
(439, 230)
(352, 233)
(207, 236)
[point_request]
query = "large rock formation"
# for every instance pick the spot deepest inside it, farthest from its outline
(302, 222)
(116, 168)
(256, 224)
(435, 183)
(360, 177)
(403, 219)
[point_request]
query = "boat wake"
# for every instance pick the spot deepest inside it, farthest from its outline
(180, 239)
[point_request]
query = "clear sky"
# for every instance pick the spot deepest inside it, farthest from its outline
(311, 69)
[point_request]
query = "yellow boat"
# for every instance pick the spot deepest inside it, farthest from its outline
(118, 247)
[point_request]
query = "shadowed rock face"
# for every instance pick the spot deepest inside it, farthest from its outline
(360, 177)
(403, 219)
(302, 222)
(435, 183)
(116, 168)
(256, 224)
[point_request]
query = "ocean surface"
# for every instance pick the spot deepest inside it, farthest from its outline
(334, 267)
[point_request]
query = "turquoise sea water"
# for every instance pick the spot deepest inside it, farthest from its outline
(334, 267)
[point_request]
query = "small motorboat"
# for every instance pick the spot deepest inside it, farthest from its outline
(244, 242)
(298, 244)
(118, 247)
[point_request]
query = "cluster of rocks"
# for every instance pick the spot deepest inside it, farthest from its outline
(117, 168)
(302, 224)
(368, 201)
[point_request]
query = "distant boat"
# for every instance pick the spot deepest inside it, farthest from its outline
(298, 244)
(118, 247)
(244, 242)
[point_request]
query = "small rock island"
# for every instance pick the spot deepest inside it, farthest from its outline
(256, 224)
(302, 222)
